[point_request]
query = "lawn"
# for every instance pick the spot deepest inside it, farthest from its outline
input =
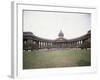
(56, 58)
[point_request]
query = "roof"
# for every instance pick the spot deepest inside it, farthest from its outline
(30, 35)
(60, 40)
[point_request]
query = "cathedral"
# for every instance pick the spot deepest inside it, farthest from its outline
(33, 42)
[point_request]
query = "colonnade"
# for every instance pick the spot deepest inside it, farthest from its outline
(42, 44)
(32, 42)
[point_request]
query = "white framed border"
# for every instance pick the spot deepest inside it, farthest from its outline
(17, 37)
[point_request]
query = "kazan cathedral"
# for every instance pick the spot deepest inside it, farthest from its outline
(33, 42)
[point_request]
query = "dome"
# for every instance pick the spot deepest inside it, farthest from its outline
(61, 34)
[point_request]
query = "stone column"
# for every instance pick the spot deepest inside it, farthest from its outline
(39, 44)
(44, 44)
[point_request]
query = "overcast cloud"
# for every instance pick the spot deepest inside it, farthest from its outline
(48, 24)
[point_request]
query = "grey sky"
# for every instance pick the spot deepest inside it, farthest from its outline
(48, 24)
